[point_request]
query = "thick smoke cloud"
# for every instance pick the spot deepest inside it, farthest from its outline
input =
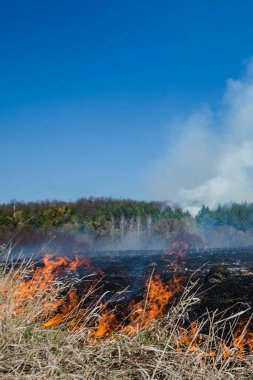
(210, 155)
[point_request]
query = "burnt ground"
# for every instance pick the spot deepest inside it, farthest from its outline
(224, 276)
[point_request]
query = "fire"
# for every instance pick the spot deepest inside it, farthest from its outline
(106, 323)
(140, 315)
(176, 256)
(156, 297)
(63, 307)
(191, 340)
(58, 307)
(242, 341)
(42, 286)
(66, 305)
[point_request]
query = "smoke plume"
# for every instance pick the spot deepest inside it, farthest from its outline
(210, 155)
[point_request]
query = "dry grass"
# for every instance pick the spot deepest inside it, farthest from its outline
(29, 351)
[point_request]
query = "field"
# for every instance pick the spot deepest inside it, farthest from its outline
(48, 331)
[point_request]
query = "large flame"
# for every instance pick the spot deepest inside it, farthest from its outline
(156, 297)
(64, 305)
(44, 284)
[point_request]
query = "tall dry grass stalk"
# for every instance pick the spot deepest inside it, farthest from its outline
(30, 351)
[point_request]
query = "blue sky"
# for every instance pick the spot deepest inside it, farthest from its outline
(88, 88)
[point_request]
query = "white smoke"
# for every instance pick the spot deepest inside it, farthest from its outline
(210, 155)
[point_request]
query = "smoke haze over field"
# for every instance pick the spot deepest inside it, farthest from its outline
(210, 155)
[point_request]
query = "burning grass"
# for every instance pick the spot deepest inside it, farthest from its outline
(57, 325)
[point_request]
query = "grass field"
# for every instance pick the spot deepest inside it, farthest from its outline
(158, 350)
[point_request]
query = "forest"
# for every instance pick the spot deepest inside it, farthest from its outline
(107, 218)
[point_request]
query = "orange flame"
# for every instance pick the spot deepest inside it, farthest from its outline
(106, 323)
(58, 308)
(40, 286)
(242, 341)
(156, 298)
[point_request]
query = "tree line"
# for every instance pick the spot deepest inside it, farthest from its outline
(112, 218)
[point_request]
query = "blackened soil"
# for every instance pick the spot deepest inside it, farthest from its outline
(225, 276)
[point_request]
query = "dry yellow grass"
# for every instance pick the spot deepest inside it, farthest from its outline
(30, 351)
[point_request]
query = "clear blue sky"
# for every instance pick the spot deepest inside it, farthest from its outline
(87, 88)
